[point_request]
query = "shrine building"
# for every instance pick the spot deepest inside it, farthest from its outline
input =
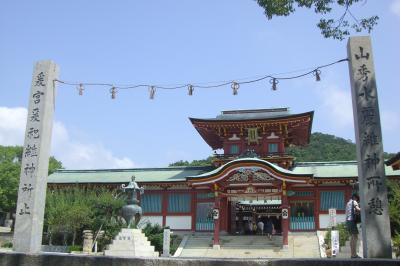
(253, 179)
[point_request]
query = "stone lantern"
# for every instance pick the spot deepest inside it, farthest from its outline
(132, 212)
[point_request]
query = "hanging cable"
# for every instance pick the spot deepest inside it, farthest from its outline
(235, 85)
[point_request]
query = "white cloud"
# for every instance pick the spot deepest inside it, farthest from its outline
(72, 152)
(395, 7)
(337, 105)
(12, 125)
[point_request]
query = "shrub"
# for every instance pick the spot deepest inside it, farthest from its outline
(327, 239)
(74, 248)
(343, 234)
(7, 245)
(155, 234)
(175, 242)
(396, 244)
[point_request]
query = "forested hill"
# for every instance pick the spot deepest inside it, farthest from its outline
(325, 147)
(322, 148)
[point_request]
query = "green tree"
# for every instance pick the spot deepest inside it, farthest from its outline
(10, 167)
(204, 162)
(107, 206)
(330, 28)
(71, 210)
(325, 147)
(54, 164)
(394, 206)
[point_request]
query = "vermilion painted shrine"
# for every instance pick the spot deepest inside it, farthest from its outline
(253, 179)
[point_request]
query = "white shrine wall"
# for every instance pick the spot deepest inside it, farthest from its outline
(179, 222)
(324, 220)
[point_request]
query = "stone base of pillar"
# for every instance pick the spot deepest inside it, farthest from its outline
(131, 243)
(285, 247)
(217, 247)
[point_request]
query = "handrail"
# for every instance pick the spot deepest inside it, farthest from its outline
(257, 155)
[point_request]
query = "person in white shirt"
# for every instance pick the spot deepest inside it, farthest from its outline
(260, 227)
(352, 207)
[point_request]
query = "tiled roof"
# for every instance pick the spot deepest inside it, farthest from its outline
(253, 114)
(344, 169)
(170, 174)
(334, 169)
(280, 169)
(393, 159)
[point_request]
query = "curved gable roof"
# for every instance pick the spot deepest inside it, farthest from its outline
(250, 163)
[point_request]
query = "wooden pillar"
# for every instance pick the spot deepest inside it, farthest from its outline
(316, 207)
(164, 207)
(194, 209)
(216, 244)
(285, 217)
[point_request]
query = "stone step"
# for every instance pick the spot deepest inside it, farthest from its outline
(133, 242)
(125, 253)
(123, 237)
(127, 249)
(252, 246)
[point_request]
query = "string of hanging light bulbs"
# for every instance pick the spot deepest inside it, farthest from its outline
(235, 84)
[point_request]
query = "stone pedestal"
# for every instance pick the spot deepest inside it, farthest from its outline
(131, 243)
(87, 241)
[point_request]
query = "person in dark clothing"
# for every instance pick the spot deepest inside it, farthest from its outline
(269, 227)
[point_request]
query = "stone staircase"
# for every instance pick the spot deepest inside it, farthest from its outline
(251, 242)
(301, 245)
(131, 243)
(200, 245)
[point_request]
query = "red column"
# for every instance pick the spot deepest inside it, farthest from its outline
(316, 207)
(193, 209)
(164, 207)
(285, 222)
(216, 223)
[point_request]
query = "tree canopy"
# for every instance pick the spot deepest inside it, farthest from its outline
(204, 162)
(71, 210)
(10, 167)
(336, 28)
(325, 147)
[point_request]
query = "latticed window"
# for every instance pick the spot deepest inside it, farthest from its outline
(272, 147)
(179, 203)
(252, 135)
(151, 203)
(332, 199)
(234, 149)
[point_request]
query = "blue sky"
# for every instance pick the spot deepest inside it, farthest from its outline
(170, 42)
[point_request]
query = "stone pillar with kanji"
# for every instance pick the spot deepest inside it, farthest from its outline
(371, 172)
(35, 159)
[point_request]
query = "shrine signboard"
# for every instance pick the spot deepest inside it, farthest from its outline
(371, 171)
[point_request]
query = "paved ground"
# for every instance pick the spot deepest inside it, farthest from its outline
(301, 245)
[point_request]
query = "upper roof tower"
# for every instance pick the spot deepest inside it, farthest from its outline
(262, 133)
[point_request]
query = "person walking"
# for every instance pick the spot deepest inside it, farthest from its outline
(269, 228)
(352, 208)
(260, 227)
